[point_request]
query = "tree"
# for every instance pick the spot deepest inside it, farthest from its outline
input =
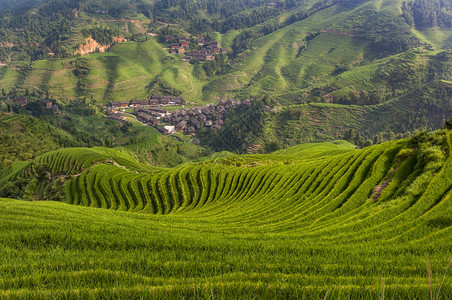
(349, 136)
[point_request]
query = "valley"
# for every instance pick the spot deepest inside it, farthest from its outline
(232, 149)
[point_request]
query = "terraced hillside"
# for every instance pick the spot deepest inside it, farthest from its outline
(330, 45)
(308, 222)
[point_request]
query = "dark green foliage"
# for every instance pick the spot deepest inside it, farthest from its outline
(81, 70)
(215, 66)
(222, 15)
(403, 75)
(17, 4)
(388, 34)
(23, 138)
(240, 21)
(428, 13)
(244, 40)
(241, 126)
(102, 35)
(33, 31)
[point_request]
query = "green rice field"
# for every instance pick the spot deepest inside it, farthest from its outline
(316, 221)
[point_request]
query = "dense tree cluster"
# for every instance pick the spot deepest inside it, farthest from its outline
(247, 20)
(29, 137)
(102, 35)
(215, 66)
(33, 34)
(241, 126)
(388, 35)
(214, 15)
(244, 40)
(428, 13)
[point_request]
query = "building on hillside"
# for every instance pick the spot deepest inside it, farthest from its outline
(120, 104)
(181, 126)
(136, 103)
(154, 102)
(191, 130)
(214, 44)
(163, 130)
(145, 118)
(180, 50)
(47, 103)
(170, 129)
(118, 117)
(164, 102)
(21, 101)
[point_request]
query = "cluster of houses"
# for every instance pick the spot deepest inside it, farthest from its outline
(179, 44)
(208, 50)
(150, 116)
(188, 120)
(156, 100)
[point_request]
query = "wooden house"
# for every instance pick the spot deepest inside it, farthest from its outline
(154, 102)
(181, 126)
(120, 104)
(21, 101)
(47, 103)
(191, 130)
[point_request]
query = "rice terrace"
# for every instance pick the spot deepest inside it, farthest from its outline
(226, 149)
(313, 221)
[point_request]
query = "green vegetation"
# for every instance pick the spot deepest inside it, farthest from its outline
(290, 54)
(165, 151)
(302, 222)
(134, 214)
(333, 66)
(24, 138)
(36, 130)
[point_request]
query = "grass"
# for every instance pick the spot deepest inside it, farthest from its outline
(299, 224)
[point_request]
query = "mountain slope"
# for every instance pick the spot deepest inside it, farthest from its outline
(303, 47)
(303, 222)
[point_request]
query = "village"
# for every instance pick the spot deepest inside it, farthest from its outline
(207, 50)
(154, 112)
